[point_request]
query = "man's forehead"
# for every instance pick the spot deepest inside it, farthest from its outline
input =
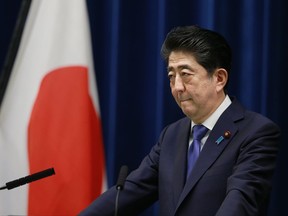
(180, 59)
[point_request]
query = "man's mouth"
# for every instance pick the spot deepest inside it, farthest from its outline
(184, 100)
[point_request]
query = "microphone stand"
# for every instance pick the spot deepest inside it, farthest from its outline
(120, 185)
(116, 201)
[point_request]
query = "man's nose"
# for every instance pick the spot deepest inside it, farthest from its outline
(179, 85)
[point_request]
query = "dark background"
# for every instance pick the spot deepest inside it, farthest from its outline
(133, 88)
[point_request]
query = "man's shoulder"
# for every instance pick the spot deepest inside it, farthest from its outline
(255, 118)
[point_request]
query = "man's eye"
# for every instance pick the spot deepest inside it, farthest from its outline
(185, 74)
(170, 75)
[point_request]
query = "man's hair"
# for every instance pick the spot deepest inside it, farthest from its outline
(209, 48)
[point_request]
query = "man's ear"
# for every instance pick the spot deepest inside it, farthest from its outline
(221, 76)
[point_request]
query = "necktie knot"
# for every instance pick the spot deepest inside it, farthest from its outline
(199, 132)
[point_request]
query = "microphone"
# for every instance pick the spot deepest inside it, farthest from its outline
(27, 179)
(120, 185)
(122, 177)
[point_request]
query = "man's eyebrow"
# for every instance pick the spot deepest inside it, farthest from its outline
(179, 67)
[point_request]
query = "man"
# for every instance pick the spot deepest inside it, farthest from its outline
(231, 176)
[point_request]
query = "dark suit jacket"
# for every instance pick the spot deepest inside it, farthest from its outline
(231, 177)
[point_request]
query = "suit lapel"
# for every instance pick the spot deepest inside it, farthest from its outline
(179, 172)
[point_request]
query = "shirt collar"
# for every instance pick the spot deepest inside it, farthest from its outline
(211, 121)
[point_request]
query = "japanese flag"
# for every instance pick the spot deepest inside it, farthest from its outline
(50, 115)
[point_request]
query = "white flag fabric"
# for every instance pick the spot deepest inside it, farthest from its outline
(50, 115)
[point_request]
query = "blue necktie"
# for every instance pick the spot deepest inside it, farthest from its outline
(199, 132)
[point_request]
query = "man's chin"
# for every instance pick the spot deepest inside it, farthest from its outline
(187, 112)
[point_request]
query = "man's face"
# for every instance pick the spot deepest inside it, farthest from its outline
(196, 92)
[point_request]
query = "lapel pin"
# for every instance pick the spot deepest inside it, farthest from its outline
(219, 140)
(227, 134)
